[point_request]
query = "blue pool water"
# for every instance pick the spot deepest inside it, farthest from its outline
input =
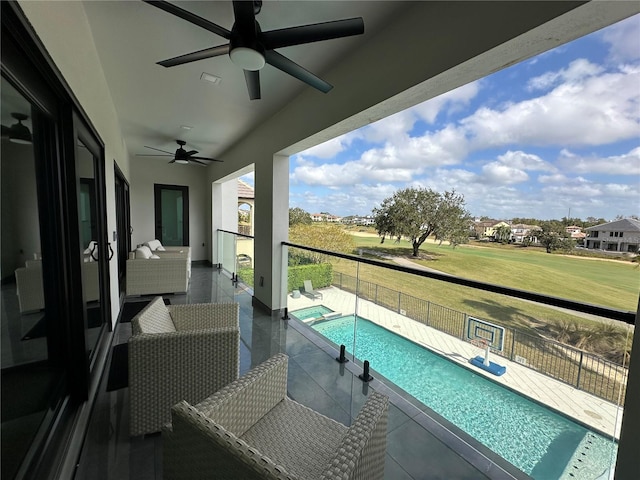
(311, 312)
(543, 444)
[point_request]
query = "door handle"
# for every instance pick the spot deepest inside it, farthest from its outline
(110, 251)
(93, 249)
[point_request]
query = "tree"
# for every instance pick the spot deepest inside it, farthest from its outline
(298, 216)
(553, 238)
(502, 233)
(325, 236)
(416, 213)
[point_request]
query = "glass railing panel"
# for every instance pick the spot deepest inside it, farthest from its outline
(244, 259)
(559, 374)
(322, 287)
(227, 251)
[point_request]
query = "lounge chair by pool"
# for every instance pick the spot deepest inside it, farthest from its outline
(309, 291)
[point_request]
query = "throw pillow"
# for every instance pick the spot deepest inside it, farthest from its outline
(153, 244)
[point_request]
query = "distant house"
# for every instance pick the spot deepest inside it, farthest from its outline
(486, 228)
(520, 231)
(618, 236)
(246, 204)
(324, 217)
(576, 233)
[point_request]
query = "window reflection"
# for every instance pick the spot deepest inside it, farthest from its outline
(30, 374)
(87, 218)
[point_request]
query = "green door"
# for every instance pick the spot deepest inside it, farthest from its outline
(172, 214)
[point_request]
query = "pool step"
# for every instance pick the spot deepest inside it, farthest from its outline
(322, 318)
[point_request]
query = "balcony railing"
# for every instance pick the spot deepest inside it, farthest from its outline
(581, 388)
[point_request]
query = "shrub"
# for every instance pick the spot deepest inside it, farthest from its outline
(320, 274)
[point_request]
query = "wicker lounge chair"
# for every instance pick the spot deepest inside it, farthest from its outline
(179, 352)
(251, 430)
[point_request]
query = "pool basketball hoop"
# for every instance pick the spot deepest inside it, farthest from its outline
(484, 345)
(485, 336)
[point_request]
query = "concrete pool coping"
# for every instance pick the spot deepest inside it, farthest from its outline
(593, 412)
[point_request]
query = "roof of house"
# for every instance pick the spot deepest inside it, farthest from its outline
(245, 190)
(624, 225)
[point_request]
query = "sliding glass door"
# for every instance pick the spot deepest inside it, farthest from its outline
(54, 254)
(34, 372)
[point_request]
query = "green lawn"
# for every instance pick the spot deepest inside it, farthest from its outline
(609, 283)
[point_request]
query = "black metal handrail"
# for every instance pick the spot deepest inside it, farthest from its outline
(611, 313)
(236, 233)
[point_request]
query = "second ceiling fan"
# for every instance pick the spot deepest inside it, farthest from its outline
(181, 155)
(250, 48)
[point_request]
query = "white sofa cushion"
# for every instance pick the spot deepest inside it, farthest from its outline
(143, 252)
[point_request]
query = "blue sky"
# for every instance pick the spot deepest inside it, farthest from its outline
(557, 132)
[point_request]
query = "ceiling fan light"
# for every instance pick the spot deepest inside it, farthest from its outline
(182, 162)
(19, 133)
(247, 58)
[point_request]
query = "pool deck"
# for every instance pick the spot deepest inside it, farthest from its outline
(587, 409)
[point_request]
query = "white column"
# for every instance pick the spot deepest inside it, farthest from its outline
(271, 229)
(224, 212)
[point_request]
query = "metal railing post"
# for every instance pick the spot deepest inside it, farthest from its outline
(579, 370)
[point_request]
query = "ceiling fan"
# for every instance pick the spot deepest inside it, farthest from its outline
(250, 48)
(181, 155)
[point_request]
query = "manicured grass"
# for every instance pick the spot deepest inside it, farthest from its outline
(608, 283)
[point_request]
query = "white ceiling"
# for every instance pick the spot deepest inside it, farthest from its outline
(153, 102)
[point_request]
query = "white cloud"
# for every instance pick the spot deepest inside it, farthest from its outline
(525, 161)
(625, 164)
(554, 178)
(596, 111)
(330, 148)
(623, 39)
(498, 173)
(576, 71)
(349, 173)
(455, 100)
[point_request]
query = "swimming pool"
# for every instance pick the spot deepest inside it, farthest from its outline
(308, 313)
(540, 442)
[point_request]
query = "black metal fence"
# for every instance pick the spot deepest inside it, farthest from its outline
(583, 370)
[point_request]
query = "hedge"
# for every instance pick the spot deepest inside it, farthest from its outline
(320, 274)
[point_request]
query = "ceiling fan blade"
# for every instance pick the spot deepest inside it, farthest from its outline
(191, 152)
(195, 56)
(252, 77)
(245, 17)
(205, 158)
(172, 161)
(288, 66)
(197, 161)
(153, 155)
(163, 151)
(190, 17)
(316, 32)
